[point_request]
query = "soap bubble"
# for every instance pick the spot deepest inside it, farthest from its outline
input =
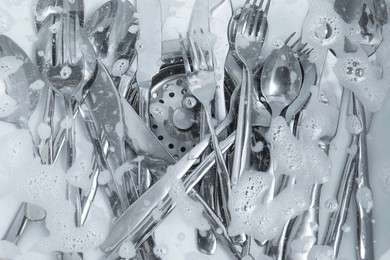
(161, 250)
(127, 250)
(302, 245)
(6, 21)
(120, 67)
(7, 105)
(9, 65)
(364, 198)
(331, 205)
(44, 131)
(354, 125)
(37, 85)
(321, 253)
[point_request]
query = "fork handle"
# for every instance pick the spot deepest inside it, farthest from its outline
(244, 125)
(144, 94)
(337, 219)
(223, 174)
(364, 214)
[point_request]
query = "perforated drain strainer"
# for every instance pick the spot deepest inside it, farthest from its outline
(174, 115)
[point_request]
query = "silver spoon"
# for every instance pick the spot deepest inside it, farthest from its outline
(113, 31)
(281, 79)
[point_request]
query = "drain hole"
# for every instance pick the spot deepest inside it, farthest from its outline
(161, 101)
(183, 149)
(154, 126)
(171, 146)
(172, 94)
(160, 137)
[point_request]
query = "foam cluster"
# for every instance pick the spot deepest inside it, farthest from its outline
(35, 183)
(190, 210)
(302, 159)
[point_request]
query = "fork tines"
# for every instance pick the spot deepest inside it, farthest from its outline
(201, 57)
(299, 48)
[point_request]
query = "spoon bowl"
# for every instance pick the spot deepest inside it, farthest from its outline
(113, 31)
(281, 79)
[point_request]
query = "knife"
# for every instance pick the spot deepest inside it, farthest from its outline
(138, 219)
(149, 51)
(104, 104)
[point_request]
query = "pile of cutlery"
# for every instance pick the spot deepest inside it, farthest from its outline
(197, 119)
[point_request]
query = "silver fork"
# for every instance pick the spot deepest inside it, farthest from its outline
(202, 85)
(65, 74)
(251, 32)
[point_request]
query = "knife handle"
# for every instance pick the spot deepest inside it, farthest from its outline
(364, 212)
(117, 202)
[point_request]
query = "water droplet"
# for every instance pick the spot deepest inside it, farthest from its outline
(331, 205)
(323, 30)
(65, 72)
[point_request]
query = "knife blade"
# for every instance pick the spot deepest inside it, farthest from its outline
(149, 51)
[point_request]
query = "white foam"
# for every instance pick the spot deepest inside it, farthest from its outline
(8, 250)
(104, 177)
(9, 65)
(78, 174)
(54, 28)
(245, 196)
(34, 183)
(127, 250)
(66, 237)
(120, 171)
(364, 198)
(302, 245)
(385, 256)
(7, 105)
(39, 84)
(190, 210)
(300, 158)
(383, 178)
(6, 21)
(161, 250)
(181, 236)
(321, 13)
(120, 67)
(285, 148)
(195, 256)
(320, 118)
(134, 28)
(331, 205)
(355, 72)
(264, 220)
(44, 131)
(321, 253)
(67, 123)
(354, 125)
(267, 222)
(346, 228)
